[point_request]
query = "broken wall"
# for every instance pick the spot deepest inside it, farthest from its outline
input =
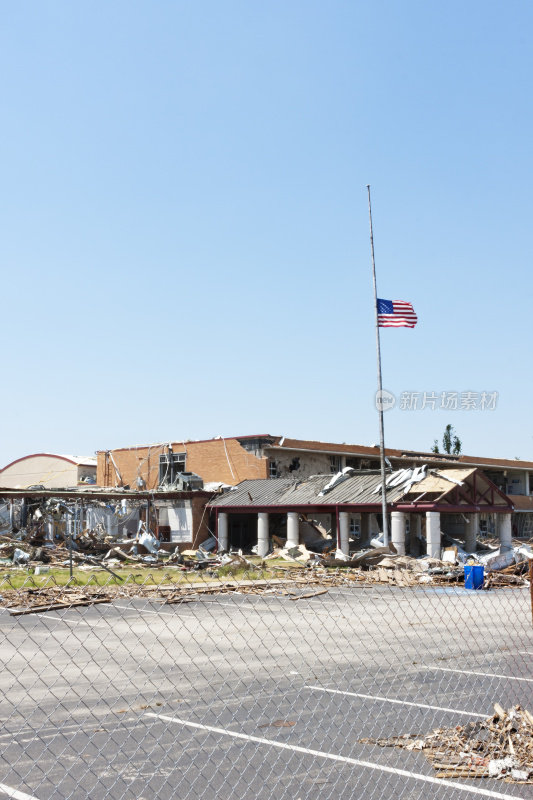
(176, 515)
(301, 465)
(222, 460)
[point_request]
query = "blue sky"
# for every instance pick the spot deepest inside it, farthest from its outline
(185, 243)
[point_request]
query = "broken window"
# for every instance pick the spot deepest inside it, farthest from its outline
(273, 471)
(170, 465)
(255, 444)
(335, 464)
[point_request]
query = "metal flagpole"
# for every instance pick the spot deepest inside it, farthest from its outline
(379, 395)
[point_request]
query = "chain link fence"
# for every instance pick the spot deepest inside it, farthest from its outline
(287, 684)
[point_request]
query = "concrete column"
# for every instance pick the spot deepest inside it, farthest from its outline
(222, 532)
(293, 529)
(364, 528)
(526, 483)
(262, 534)
(433, 533)
(505, 532)
(111, 523)
(471, 532)
(398, 531)
(415, 532)
(344, 532)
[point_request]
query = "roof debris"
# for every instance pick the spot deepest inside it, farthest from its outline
(499, 747)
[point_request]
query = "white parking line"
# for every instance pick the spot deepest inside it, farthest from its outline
(145, 611)
(334, 757)
(399, 702)
(483, 674)
(73, 621)
(15, 794)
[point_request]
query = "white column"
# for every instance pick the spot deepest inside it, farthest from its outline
(293, 529)
(471, 532)
(222, 532)
(433, 533)
(49, 528)
(526, 483)
(398, 531)
(262, 534)
(506, 532)
(344, 532)
(111, 523)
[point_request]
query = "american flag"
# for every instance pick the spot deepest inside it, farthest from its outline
(396, 314)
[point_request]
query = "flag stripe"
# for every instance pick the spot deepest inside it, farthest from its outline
(396, 314)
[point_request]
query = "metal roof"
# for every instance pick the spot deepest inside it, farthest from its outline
(357, 489)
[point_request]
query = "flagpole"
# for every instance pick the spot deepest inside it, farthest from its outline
(380, 387)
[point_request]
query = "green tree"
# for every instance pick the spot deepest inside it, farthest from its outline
(450, 442)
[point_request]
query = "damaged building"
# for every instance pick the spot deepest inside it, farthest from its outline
(423, 503)
(229, 461)
(94, 516)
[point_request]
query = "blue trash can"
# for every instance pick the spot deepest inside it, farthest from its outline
(474, 574)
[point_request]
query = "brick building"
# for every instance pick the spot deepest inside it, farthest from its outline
(235, 459)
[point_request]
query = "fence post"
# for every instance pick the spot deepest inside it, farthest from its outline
(531, 586)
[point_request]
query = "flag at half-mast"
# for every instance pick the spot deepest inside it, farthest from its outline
(396, 314)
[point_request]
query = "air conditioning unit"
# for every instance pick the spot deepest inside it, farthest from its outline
(187, 481)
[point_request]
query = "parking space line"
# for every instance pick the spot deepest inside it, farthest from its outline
(335, 757)
(399, 702)
(15, 794)
(73, 621)
(145, 611)
(482, 674)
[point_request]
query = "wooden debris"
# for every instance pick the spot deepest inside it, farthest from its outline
(499, 747)
(308, 595)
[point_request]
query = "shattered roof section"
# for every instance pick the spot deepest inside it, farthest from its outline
(357, 489)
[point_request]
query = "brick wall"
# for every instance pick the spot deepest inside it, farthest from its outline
(214, 460)
(131, 462)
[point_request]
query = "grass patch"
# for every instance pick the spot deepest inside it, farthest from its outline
(143, 576)
(242, 572)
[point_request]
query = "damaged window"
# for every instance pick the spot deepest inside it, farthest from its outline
(170, 465)
(335, 464)
(273, 471)
(254, 445)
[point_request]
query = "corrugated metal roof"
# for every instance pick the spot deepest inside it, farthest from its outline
(358, 489)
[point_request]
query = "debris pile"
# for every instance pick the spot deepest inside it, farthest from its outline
(54, 598)
(499, 747)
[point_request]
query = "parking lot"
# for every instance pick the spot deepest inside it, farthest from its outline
(247, 696)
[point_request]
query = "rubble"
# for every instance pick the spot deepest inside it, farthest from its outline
(56, 598)
(499, 747)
